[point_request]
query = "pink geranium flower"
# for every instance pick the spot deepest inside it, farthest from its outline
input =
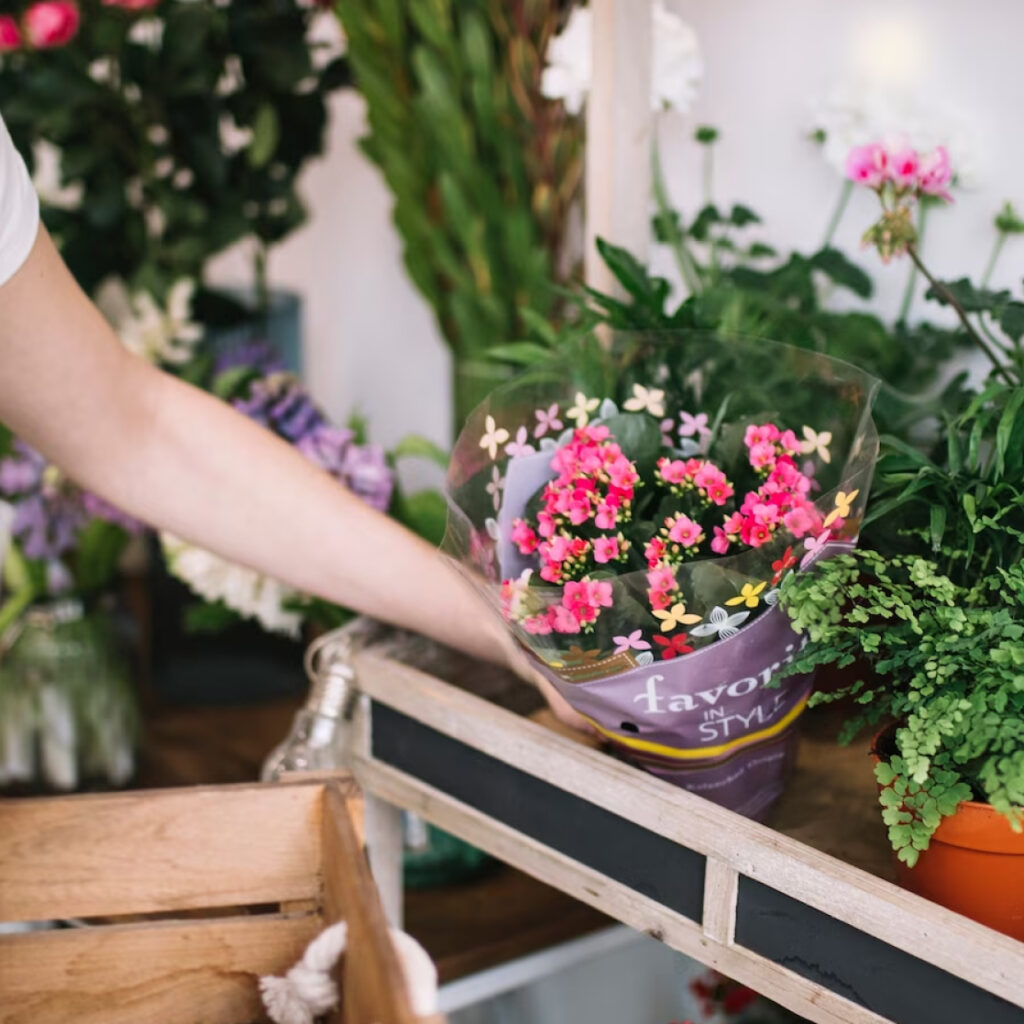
(934, 174)
(868, 165)
(903, 166)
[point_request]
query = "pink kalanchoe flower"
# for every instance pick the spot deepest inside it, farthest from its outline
(654, 552)
(563, 620)
(868, 165)
(51, 23)
(720, 542)
(685, 531)
(762, 455)
(524, 537)
(903, 166)
(673, 471)
(10, 34)
(934, 174)
(798, 521)
(606, 549)
(538, 625)
(607, 516)
(763, 433)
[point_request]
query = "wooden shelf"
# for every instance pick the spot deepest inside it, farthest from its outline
(802, 908)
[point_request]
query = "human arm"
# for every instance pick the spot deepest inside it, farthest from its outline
(177, 458)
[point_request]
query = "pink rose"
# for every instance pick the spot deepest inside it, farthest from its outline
(10, 34)
(867, 165)
(934, 174)
(903, 167)
(51, 23)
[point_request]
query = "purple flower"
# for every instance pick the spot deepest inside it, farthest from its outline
(363, 469)
(256, 353)
(280, 403)
(49, 510)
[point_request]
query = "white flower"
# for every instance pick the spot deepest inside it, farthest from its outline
(148, 32)
(676, 71)
(678, 65)
(722, 623)
(325, 38)
(815, 442)
(581, 409)
(851, 115)
(233, 139)
(494, 437)
(650, 400)
(243, 590)
(157, 335)
(48, 179)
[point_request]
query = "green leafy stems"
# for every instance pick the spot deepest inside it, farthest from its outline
(944, 661)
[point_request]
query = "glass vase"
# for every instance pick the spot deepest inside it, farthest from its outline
(68, 712)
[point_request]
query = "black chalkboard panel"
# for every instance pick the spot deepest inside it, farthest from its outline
(620, 849)
(858, 966)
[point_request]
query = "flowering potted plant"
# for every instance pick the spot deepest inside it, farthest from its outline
(931, 619)
(634, 535)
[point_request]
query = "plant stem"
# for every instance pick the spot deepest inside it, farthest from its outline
(685, 262)
(949, 298)
(837, 214)
(709, 166)
(908, 292)
(993, 258)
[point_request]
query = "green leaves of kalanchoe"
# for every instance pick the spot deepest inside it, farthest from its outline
(942, 660)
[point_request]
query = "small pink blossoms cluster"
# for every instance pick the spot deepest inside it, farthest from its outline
(577, 528)
(902, 168)
(900, 176)
(779, 502)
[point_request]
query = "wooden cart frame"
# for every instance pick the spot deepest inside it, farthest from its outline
(241, 877)
(825, 939)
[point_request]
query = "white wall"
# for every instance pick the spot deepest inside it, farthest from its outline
(768, 61)
(371, 340)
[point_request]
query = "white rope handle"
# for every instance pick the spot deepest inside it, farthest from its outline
(308, 990)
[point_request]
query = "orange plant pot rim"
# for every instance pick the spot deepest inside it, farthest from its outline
(974, 826)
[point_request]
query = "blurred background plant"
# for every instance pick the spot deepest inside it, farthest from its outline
(484, 170)
(159, 132)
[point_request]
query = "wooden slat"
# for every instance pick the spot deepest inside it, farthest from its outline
(621, 902)
(373, 990)
(618, 143)
(721, 884)
(872, 905)
(180, 972)
(156, 851)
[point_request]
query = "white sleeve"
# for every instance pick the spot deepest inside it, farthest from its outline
(19, 208)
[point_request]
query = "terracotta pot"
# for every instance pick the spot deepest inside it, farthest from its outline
(973, 865)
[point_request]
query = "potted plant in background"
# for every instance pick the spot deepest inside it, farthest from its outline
(160, 132)
(67, 706)
(933, 617)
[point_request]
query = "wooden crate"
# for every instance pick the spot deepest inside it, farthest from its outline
(828, 939)
(192, 895)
